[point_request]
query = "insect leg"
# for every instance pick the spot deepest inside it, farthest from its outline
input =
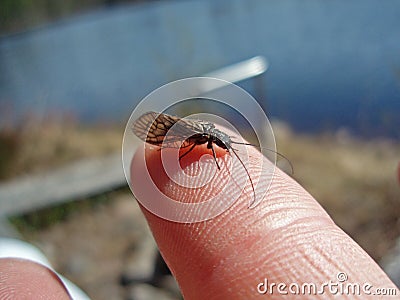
(248, 174)
(215, 156)
(191, 148)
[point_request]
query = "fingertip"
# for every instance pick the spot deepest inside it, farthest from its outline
(287, 237)
(24, 279)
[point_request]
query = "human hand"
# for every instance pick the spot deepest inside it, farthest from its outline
(288, 238)
(25, 279)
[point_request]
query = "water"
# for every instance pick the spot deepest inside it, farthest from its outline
(333, 64)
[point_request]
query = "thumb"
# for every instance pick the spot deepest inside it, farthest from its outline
(24, 279)
(244, 253)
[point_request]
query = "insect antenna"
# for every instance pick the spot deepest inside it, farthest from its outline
(270, 150)
(248, 174)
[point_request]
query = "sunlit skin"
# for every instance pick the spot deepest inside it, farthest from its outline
(286, 238)
(153, 128)
(398, 173)
(24, 279)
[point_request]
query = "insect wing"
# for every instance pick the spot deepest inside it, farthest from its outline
(153, 128)
(145, 127)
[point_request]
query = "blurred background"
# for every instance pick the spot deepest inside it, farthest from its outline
(72, 71)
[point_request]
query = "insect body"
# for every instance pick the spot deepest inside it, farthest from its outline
(153, 127)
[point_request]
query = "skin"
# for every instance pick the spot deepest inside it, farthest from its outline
(398, 173)
(24, 279)
(288, 238)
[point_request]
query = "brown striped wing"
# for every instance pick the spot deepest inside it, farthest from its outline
(153, 128)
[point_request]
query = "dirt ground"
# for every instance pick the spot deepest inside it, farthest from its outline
(104, 245)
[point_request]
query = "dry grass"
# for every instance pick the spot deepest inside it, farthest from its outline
(354, 180)
(40, 146)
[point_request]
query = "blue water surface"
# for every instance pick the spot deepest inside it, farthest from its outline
(333, 64)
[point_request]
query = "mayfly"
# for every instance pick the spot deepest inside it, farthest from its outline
(153, 127)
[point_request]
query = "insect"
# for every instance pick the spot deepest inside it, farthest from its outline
(153, 127)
